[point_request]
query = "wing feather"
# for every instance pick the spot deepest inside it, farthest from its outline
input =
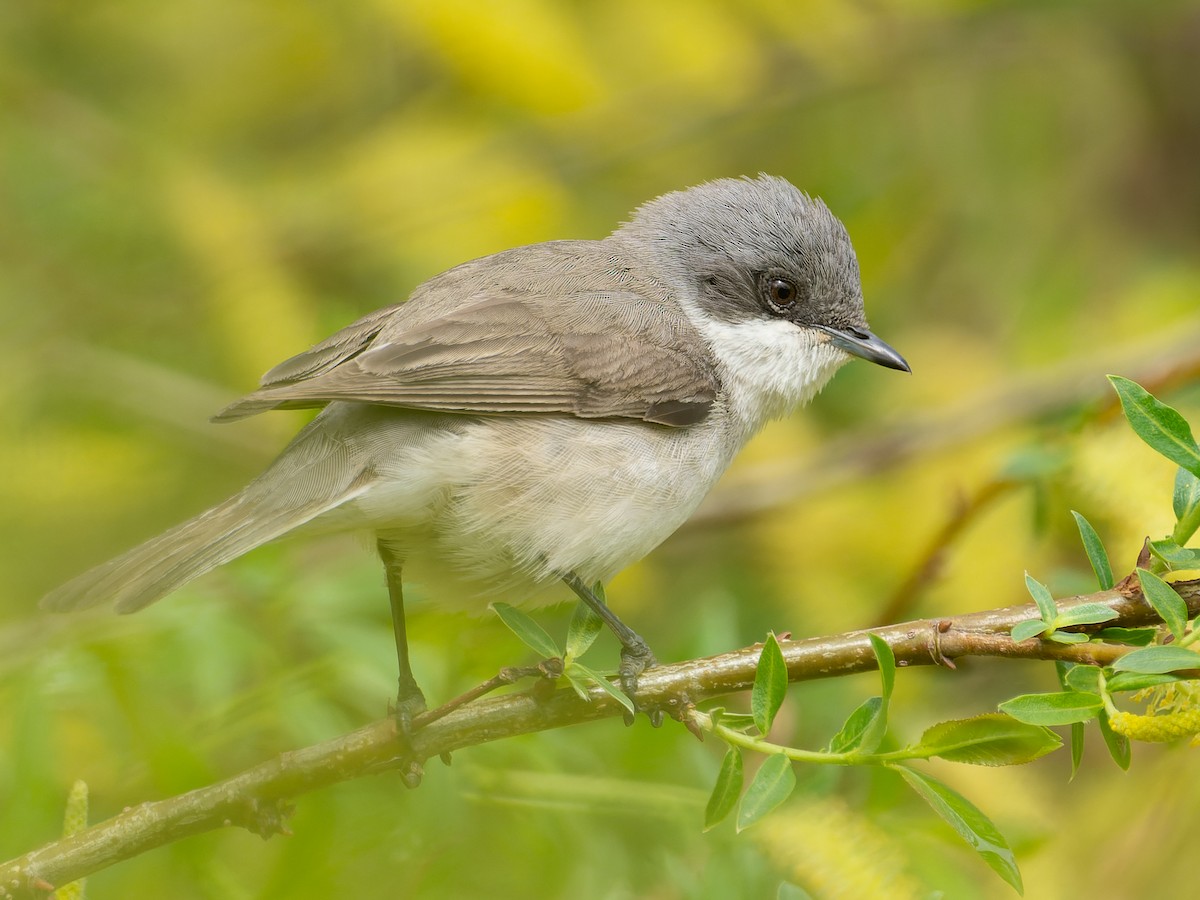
(485, 338)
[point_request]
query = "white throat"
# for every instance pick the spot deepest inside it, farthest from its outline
(769, 367)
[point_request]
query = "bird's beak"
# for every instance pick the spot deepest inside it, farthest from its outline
(863, 344)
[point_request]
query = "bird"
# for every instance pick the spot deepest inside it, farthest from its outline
(545, 415)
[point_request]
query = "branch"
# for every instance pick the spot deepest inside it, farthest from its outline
(258, 799)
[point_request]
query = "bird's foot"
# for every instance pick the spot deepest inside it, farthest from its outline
(636, 658)
(410, 703)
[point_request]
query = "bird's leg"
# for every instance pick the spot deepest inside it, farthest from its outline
(635, 652)
(410, 702)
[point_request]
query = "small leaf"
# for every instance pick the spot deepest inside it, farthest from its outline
(532, 634)
(1136, 681)
(1138, 637)
(1087, 679)
(1077, 736)
(1186, 498)
(1174, 556)
(1023, 631)
(1060, 708)
(1160, 426)
(1082, 679)
(988, 740)
(971, 824)
(578, 681)
(1067, 637)
(1186, 503)
(1118, 745)
(770, 685)
(736, 721)
(887, 665)
(604, 684)
(581, 633)
(1096, 553)
(773, 783)
(850, 737)
(1168, 604)
(1042, 597)
(1157, 660)
(725, 792)
(876, 727)
(1085, 614)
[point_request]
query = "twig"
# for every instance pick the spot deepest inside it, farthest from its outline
(259, 798)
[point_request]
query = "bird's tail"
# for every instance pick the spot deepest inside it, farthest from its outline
(312, 476)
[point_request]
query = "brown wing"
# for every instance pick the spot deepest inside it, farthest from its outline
(516, 346)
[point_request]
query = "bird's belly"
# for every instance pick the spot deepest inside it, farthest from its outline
(513, 503)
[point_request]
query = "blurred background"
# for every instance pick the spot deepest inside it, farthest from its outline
(192, 191)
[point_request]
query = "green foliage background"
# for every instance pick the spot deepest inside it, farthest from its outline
(191, 191)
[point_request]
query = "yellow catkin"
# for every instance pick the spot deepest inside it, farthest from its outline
(1156, 729)
(834, 853)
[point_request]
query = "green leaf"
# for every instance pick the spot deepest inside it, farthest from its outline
(1042, 597)
(1082, 679)
(604, 684)
(1157, 660)
(1067, 637)
(734, 721)
(992, 739)
(773, 783)
(1169, 605)
(725, 792)
(1174, 556)
(1186, 498)
(1136, 681)
(1060, 708)
(876, 728)
(578, 681)
(1087, 679)
(1023, 631)
(1160, 426)
(532, 634)
(1118, 745)
(972, 825)
(1096, 553)
(887, 665)
(1186, 503)
(1138, 637)
(770, 685)
(1077, 737)
(851, 735)
(581, 633)
(1085, 614)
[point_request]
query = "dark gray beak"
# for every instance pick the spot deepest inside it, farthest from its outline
(863, 344)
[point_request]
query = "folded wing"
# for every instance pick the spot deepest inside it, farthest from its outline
(484, 339)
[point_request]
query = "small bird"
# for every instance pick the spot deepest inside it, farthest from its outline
(545, 415)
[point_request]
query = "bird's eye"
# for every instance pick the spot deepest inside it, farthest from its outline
(781, 293)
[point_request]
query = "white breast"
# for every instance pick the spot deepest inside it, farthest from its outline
(509, 503)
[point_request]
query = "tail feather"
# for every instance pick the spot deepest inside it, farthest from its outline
(311, 477)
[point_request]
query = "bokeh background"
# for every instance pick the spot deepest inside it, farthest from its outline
(192, 191)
